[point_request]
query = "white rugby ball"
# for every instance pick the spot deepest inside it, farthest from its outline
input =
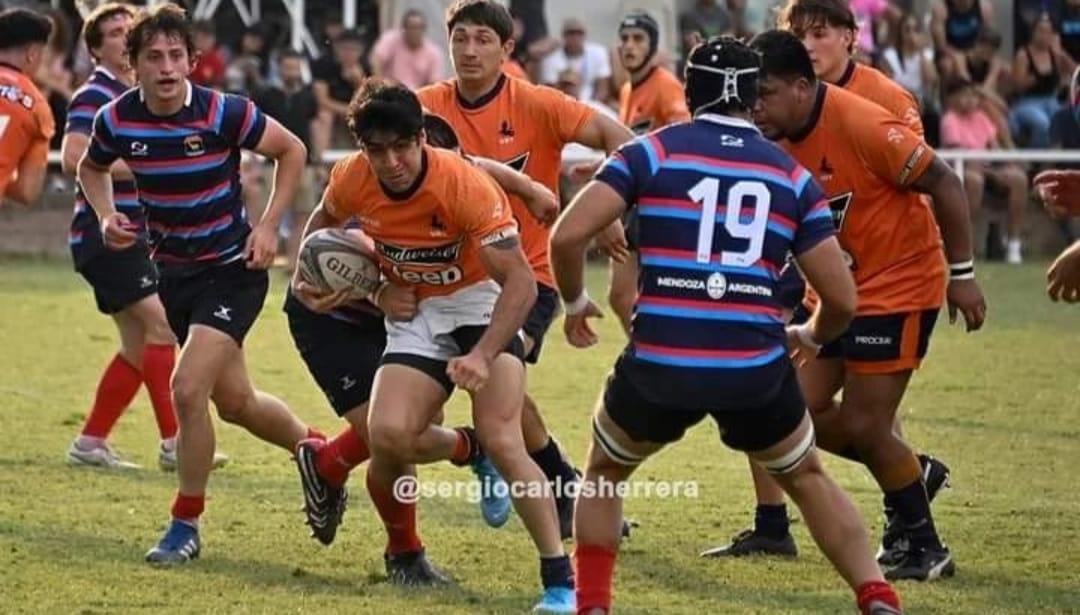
(333, 259)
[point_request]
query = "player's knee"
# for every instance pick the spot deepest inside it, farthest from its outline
(621, 300)
(391, 442)
(188, 394)
(233, 406)
(502, 448)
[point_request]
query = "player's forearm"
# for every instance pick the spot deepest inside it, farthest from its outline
(287, 174)
(511, 309)
(97, 187)
(517, 184)
(121, 171)
(615, 134)
(318, 220)
(950, 208)
(568, 262)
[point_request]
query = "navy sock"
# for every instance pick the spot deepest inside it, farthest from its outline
(771, 521)
(556, 572)
(913, 507)
(553, 463)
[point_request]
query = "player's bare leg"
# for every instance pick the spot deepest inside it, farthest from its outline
(830, 515)
(623, 290)
(819, 380)
(260, 413)
(496, 414)
(867, 413)
(598, 517)
(405, 405)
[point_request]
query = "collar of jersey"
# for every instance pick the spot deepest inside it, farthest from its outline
(11, 66)
(483, 100)
(724, 120)
(815, 114)
(411, 191)
(849, 73)
(187, 99)
(108, 73)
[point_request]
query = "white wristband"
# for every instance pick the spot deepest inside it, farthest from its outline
(374, 297)
(578, 305)
(962, 271)
(803, 333)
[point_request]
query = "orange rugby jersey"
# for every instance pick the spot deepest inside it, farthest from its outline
(524, 126)
(26, 122)
(655, 102)
(430, 237)
(875, 86)
(866, 159)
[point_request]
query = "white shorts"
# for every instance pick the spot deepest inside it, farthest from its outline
(432, 332)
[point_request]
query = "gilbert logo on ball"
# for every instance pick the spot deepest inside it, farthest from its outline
(332, 260)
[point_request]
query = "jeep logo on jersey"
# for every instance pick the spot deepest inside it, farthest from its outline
(430, 256)
(839, 205)
(518, 164)
(641, 126)
(443, 277)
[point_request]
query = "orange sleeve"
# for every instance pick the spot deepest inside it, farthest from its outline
(674, 108)
(890, 149)
(480, 208)
(565, 115)
(343, 174)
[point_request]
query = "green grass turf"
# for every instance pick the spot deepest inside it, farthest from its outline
(1000, 407)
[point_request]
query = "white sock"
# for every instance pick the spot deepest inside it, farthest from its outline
(89, 443)
(168, 444)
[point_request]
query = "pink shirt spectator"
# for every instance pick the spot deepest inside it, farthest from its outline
(972, 131)
(414, 68)
(866, 11)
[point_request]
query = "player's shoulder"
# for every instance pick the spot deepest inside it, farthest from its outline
(437, 95)
(351, 170)
(844, 108)
(878, 88)
(666, 79)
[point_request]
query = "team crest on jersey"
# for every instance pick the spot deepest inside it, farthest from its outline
(519, 163)
(438, 227)
(193, 146)
(506, 133)
(641, 126)
(839, 205)
(825, 171)
(727, 140)
(138, 148)
(895, 136)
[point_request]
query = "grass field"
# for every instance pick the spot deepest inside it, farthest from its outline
(1000, 407)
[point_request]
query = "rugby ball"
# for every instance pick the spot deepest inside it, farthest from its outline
(333, 259)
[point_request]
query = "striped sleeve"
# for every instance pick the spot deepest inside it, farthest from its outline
(103, 149)
(243, 123)
(82, 108)
(628, 170)
(815, 223)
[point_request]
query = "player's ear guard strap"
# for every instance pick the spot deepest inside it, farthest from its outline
(617, 453)
(790, 461)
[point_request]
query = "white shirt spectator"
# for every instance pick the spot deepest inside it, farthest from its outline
(593, 64)
(909, 73)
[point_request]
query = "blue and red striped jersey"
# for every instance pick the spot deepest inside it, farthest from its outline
(85, 234)
(187, 172)
(719, 208)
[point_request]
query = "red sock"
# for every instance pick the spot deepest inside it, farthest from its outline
(340, 455)
(463, 447)
(594, 570)
(118, 386)
(398, 517)
(188, 507)
(876, 591)
(158, 363)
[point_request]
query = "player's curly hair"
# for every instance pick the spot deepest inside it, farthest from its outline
(91, 30)
(168, 19)
(379, 106)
